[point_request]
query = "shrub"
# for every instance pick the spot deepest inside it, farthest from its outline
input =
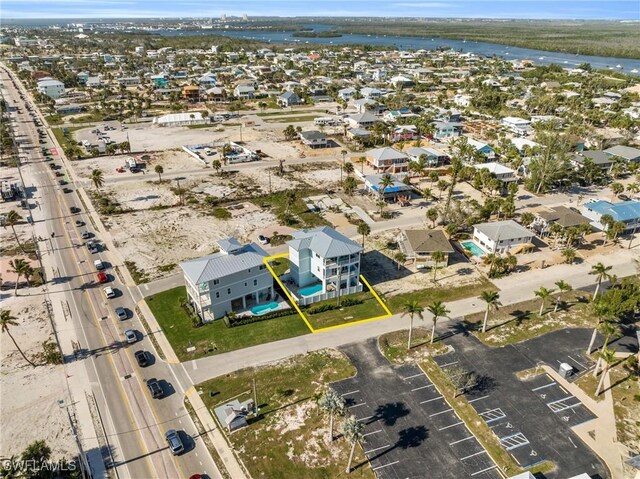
(221, 213)
(51, 353)
(232, 322)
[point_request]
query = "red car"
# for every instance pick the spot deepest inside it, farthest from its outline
(103, 278)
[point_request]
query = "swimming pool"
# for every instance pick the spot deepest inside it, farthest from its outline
(310, 290)
(264, 308)
(472, 248)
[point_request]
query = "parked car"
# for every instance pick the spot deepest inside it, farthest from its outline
(79, 223)
(142, 358)
(98, 264)
(263, 239)
(624, 198)
(85, 234)
(103, 277)
(73, 210)
(154, 388)
(109, 292)
(121, 313)
(175, 444)
(92, 246)
(131, 336)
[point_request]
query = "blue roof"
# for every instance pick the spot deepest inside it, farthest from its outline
(625, 211)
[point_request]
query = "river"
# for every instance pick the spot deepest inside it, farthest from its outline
(626, 65)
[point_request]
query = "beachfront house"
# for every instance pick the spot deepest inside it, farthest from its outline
(627, 212)
(233, 280)
(419, 245)
(387, 159)
(321, 262)
(502, 236)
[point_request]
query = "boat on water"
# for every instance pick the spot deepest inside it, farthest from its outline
(635, 70)
(618, 66)
(541, 58)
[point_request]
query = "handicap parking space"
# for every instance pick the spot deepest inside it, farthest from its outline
(566, 406)
(410, 429)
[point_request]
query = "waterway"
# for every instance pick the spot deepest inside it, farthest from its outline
(625, 65)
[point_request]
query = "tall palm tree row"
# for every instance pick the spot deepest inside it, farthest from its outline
(438, 310)
(492, 300)
(411, 309)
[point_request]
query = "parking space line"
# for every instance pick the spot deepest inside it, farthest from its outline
(448, 364)
(492, 415)
(376, 449)
(364, 418)
(380, 467)
(473, 455)
(441, 412)
(422, 387)
(350, 392)
(514, 441)
(484, 470)
(545, 386)
(429, 400)
(577, 362)
(372, 432)
(356, 405)
(460, 440)
(552, 403)
(566, 407)
(450, 425)
(478, 399)
(414, 376)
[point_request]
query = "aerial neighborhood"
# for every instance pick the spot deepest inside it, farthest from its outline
(227, 257)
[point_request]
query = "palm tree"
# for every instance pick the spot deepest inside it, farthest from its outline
(333, 403)
(11, 219)
(602, 312)
(290, 199)
(97, 177)
(159, 169)
(436, 257)
(400, 259)
(352, 431)
(601, 272)
(365, 230)
(569, 255)
(217, 165)
(492, 300)
(543, 293)
(438, 310)
(608, 356)
(411, 309)
(349, 184)
(21, 268)
(563, 287)
(607, 329)
(348, 168)
(526, 218)
(432, 215)
(7, 320)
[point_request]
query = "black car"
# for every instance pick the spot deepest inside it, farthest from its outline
(624, 198)
(143, 358)
(154, 388)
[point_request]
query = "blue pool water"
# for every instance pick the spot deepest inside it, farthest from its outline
(264, 308)
(473, 248)
(310, 290)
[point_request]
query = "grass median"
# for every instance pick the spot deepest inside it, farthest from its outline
(215, 337)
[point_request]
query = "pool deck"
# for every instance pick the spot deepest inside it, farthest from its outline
(484, 252)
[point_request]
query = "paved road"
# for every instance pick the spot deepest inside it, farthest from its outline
(134, 423)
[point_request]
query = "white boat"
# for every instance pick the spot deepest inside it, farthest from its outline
(618, 66)
(541, 58)
(635, 70)
(566, 61)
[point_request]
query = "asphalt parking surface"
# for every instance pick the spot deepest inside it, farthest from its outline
(532, 418)
(410, 430)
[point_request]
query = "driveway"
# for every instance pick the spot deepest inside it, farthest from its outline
(410, 430)
(531, 418)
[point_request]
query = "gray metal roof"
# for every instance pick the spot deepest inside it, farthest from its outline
(325, 241)
(218, 265)
(626, 152)
(503, 230)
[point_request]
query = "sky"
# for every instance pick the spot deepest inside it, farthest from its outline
(534, 9)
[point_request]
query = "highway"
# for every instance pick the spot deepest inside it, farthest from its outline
(133, 421)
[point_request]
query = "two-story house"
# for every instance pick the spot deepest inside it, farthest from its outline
(387, 159)
(234, 279)
(501, 236)
(323, 262)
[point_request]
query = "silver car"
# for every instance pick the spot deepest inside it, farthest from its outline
(131, 336)
(121, 313)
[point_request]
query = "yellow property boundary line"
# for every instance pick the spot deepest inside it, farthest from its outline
(267, 261)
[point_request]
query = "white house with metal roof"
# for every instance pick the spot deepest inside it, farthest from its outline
(50, 87)
(234, 279)
(320, 260)
(501, 236)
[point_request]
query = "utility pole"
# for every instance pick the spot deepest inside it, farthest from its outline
(74, 433)
(269, 171)
(255, 396)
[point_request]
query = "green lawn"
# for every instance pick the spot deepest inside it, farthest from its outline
(292, 119)
(370, 308)
(289, 438)
(427, 296)
(215, 337)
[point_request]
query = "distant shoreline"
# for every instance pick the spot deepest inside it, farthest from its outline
(312, 34)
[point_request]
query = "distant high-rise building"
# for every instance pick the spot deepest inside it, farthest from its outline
(223, 17)
(245, 17)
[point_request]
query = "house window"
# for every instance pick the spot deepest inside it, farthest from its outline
(255, 282)
(249, 270)
(228, 290)
(263, 266)
(245, 284)
(216, 281)
(217, 294)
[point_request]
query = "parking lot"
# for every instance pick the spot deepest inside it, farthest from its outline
(410, 430)
(531, 418)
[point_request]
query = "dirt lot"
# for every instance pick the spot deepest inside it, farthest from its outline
(29, 395)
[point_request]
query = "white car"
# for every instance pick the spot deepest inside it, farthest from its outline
(130, 336)
(109, 292)
(263, 239)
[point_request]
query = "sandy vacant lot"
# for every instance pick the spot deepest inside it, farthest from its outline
(157, 238)
(29, 395)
